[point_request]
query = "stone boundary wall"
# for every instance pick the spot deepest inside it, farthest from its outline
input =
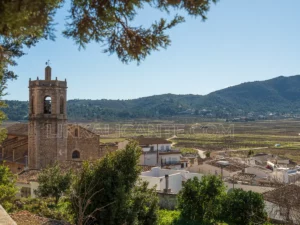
(5, 219)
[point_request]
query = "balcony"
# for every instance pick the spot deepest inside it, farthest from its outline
(169, 163)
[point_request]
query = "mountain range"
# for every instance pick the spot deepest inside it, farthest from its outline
(278, 95)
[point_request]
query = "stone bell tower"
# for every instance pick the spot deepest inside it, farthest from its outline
(47, 127)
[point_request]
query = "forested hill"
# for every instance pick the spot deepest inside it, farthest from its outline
(278, 95)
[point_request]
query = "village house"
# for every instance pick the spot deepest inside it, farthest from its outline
(27, 180)
(272, 168)
(153, 144)
(262, 159)
(27, 183)
(158, 152)
(167, 180)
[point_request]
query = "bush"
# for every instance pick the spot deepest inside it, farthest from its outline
(167, 217)
(107, 191)
(8, 189)
(46, 207)
(201, 201)
(185, 151)
(173, 217)
(244, 207)
(53, 182)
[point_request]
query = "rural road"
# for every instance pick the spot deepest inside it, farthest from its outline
(170, 139)
(174, 136)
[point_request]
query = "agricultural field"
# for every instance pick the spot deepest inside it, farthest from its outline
(260, 136)
(280, 137)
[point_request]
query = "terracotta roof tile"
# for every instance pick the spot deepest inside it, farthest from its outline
(32, 175)
(19, 129)
(27, 175)
(149, 141)
(287, 194)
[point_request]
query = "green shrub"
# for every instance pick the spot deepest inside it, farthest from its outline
(173, 217)
(53, 182)
(8, 189)
(244, 207)
(46, 207)
(167, 217)
(185, 151)
(201, 200)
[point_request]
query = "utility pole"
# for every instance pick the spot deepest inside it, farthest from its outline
(157, 154)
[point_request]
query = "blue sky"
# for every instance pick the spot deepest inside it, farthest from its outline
(241, 41)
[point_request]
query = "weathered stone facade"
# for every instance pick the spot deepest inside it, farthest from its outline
(48, 137)
(47, 128)
(83, 142)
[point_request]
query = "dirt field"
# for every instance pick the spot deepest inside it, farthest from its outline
(214, 136)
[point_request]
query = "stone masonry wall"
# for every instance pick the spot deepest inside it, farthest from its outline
(84, 141)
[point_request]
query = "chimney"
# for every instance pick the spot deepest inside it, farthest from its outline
(48, 73)
(167, 190)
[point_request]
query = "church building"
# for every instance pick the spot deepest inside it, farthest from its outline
(48, 137)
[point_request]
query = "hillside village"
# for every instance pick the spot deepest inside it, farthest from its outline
(157, 112)
(48, 138)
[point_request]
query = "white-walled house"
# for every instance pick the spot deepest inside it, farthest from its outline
(263, 158)
(285, 175)
(167, 180)
(149, 158)
(27, 183)
(27, 180)
(259, 171)
(158, 152)
(281, 175)
(169, 159)
(153, 144)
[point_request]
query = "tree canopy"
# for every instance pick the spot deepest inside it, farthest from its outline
(108, 191)
(206, 202)
(53, 182)
(244, 207)
(8, 189)
(23, 23)
(202, 200)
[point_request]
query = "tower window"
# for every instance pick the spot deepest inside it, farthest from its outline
(47, 105)
(61, 105)
(76, 155)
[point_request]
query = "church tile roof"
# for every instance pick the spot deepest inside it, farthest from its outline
(18, 129)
